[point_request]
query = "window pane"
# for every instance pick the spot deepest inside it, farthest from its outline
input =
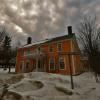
(52, 64)
(39, 48)
(59, 47)
(61, 63)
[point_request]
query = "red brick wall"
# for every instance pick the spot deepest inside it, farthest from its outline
(66, 47)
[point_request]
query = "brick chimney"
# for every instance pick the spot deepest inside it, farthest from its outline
(29, 40)
(69, 30)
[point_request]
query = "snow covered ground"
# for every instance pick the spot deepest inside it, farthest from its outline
(5, 71)
(46, 86)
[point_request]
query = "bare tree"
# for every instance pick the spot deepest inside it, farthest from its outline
(89, 38)
(2, 35)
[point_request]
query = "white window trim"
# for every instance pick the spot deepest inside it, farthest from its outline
(58, 46)
(54, 64)
(64, 62)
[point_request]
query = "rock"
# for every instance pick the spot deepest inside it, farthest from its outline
(63, 89)
(4, 91)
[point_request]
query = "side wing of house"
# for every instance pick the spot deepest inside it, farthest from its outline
(18, 61)
(23, 62)
(77, 68)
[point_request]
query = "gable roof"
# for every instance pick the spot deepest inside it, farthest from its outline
(50, 40)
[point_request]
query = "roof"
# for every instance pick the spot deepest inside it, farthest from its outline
(50, 40)
(35, 43)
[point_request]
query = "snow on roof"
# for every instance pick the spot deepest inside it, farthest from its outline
(37, 42)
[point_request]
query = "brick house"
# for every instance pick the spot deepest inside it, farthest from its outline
(49, 55)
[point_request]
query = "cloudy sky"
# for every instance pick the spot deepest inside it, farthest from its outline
(43, 18)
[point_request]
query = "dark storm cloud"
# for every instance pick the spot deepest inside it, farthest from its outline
(43, 18)
(88, 1)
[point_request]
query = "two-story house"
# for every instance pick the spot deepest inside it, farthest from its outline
(50, 55)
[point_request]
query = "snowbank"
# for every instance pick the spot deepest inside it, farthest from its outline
(46, 86)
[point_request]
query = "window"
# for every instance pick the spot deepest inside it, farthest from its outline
(39, 49)
(59, 47)
(61, 63)
(52, 64)
(27, 65)
(50, 48)
(27, 52)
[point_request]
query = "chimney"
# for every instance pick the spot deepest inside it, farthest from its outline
(29, 40)
(69, 30)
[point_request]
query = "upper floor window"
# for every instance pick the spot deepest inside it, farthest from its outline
(50, 48)
(27, 52)
(59, 47)
(61, 63)
(39, 48)
(52, 63)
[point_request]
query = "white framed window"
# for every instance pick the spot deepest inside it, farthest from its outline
(61, 63)
(59, 47)
(52, 64)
